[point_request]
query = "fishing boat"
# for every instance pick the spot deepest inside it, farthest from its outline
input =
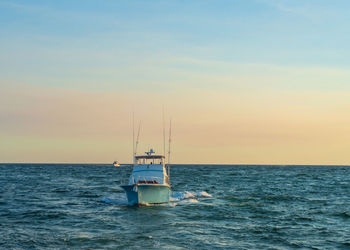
(116, 164)
(149, 181)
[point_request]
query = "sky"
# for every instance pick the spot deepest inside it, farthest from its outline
(243, 81)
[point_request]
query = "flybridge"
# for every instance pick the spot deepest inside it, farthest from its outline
(149, 155)
(148, 158)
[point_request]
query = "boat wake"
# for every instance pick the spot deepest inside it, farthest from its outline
(115, 200)
(175, 199)
(188, 197)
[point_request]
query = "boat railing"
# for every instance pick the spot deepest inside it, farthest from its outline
(146, 180)
(167, 181)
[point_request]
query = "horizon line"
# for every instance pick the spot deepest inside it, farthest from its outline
(175, 164)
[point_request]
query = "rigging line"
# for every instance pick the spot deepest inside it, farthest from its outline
(137, 138)
(169, 150)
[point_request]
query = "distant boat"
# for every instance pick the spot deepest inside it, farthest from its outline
(149, 181)
(116, 164)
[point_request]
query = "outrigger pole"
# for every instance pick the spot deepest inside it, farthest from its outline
(137, 138)
(169, 150)
(133, 136)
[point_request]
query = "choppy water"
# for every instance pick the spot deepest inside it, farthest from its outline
(243, 207)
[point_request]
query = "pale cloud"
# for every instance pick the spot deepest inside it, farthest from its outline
(226, 75)
(304, 9)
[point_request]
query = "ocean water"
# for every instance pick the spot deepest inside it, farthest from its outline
(52, 206)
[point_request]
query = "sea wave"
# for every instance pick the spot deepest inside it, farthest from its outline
(115, 200)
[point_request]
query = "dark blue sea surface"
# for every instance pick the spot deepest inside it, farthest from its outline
(45, 206)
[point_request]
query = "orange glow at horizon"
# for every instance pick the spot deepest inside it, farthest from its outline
(60, 125)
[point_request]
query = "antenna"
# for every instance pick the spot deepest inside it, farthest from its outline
(137, 138)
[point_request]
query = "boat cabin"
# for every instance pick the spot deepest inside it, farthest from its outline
(149, 169)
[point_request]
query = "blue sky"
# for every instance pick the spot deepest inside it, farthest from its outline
(165, 51)
(46, 35)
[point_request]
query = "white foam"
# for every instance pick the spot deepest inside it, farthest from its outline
(204, 194)
(115, 200)
(186, 195)
(176, 198)
(191, 201)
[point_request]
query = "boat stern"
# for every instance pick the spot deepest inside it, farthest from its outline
(144, 194)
